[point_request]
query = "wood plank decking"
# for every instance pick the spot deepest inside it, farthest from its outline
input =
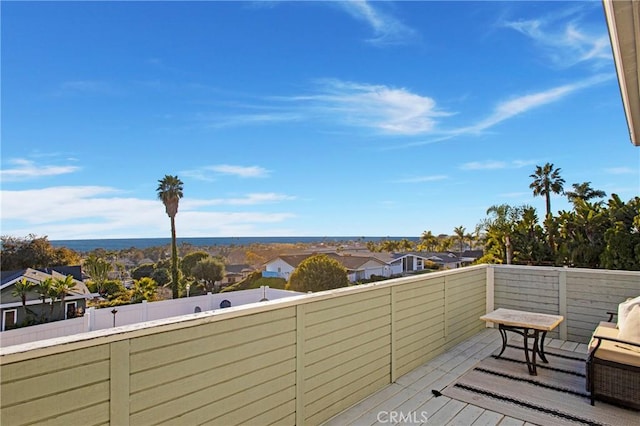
(411, 395)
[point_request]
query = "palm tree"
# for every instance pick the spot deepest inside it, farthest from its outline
(22, 288)
(46, 289)
(62, 286)
(584, 191)
(460, 233)
(98, 269)
(547, 180)
(170, 191)
(428, 241)
(499, 228)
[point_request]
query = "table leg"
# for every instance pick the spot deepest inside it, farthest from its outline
(531, 360)
(533, 370)
(541, 347)
(503, 333)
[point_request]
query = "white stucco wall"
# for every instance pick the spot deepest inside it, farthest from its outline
(281, 267)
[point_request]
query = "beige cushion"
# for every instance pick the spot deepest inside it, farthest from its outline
(612, 351)
(630, 329)
(624, 308)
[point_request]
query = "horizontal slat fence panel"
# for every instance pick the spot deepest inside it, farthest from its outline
(466, 295)
(233, 357)
(67, 388)
(591, 293)
(528, 289)
(340, 365)
(587, 296)
(300, 360)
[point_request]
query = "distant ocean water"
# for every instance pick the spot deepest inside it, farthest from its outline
(141, 243)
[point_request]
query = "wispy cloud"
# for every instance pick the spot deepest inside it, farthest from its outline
(24, 169)
(422, 179)
(566, 43)
(621, 171)
(218, 121)
(209, 173)
(387, 109)
(521, 104)
(495, 165)
(387, 29)
(241, 171)
(247, 200)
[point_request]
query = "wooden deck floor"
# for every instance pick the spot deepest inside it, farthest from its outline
(411, 394)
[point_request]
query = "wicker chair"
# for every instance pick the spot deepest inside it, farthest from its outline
(613, 373)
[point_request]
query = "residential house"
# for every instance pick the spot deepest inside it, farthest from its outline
(235, 273)
(411, 262)
(358, 267)
(13, 313)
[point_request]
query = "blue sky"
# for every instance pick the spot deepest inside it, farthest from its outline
(301, 118)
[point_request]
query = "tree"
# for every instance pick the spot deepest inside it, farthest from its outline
(622, 239)
(62, 286)
(143, 289)
(528, 240)
(170, 191)
(33, 252)
(318, 273)
(581, 236)
(208, 270)
(161, 276)
(190, 260)
(22, 289)
(46, 289)
(499, 229)
(254, 259)
(547, 181)
(584, 192)
(98, 269)
(460, 233)
(142, 271)
(428, 241)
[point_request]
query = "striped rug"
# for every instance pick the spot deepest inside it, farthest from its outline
(556, 396)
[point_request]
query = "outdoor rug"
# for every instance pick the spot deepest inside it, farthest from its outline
(556, 396)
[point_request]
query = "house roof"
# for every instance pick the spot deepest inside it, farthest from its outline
(237, 268)
(445, 257)
(37, 276)
(623, 22)
(476, 254)
(349, 261)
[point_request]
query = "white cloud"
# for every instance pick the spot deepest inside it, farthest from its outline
(208, 173)
(102, 212)
(248, 200)
(387, 29)
(27, 169)
(565, 43)
(387, 109)
(241, 171)
(522, 104)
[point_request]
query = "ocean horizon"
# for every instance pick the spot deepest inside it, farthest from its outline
(86, 245)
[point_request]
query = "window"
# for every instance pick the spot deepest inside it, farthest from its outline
(9, 319)
(70, 309)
